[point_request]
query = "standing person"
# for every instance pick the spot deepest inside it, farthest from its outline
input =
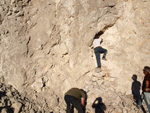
(75, 97)
(98, 49)
(146, 86)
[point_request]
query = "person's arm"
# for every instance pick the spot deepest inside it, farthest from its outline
(82, 102)
(147, 89)
(94, 103)
(101, 40)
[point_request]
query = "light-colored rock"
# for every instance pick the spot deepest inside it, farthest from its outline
(98, 70)
(4, 110)
(17, 107)
(46, 49)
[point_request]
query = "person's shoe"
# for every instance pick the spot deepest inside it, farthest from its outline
(98, 70)
(138, 106)
(104, 58)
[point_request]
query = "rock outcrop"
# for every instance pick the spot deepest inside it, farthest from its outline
(46, 48)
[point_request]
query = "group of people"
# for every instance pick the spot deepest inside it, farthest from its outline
(76, 97)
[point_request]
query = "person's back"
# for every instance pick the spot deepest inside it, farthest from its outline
(76, 92)
(75, 97)
(97, 42)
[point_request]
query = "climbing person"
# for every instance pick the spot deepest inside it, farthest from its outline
(98, 49)
(145, 88)
(75, 97)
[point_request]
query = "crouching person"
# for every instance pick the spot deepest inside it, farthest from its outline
(75, 97)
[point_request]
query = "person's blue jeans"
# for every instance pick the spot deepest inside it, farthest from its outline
(97, 52)
(147, 100)
(146, 97)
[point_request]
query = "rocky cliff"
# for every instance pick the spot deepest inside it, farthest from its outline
(46, 48)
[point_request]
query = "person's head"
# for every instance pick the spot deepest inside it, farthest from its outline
(134, 77)
(98, 34)
(146, 70)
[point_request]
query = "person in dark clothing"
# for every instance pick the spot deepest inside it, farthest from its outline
(75, 97)
(146, 81)
(146, 88)
(98, 49)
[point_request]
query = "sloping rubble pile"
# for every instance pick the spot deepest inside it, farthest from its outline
(11, 101)
(113, 101)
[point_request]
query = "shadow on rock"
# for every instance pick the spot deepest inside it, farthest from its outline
(136, 92)
(2, 94)
(98, 105)
(135, 88)
(6, 110)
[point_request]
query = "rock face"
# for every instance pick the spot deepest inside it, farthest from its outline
(45, 49)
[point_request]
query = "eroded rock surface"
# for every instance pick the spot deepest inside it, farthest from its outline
(12, 101)
(45, 49)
